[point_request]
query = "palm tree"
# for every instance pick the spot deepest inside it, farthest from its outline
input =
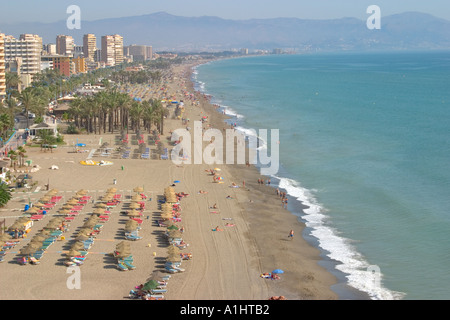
(5, 194)
(28, 100)
(5, 124)
(13, 81)
(159, 112)
(13, 156)
(21, 153)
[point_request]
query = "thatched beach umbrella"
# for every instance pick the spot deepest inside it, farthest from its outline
(72, 201)
(77, 246)
(173, 250)
(5, 237)
(32, 210)
(28, 250)
(73, 253)
(38, 205)
(131, 225)
(133, 213)
(101, 205)
(175, 234)
(99, 211)
(173, 258)
(134, 206)
(166, 216)
(112, 190)
(138, 189)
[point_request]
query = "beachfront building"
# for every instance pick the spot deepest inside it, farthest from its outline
(62, 63)
(80, 65)
(112, 50)
(89, 46)
(118, 49)
(65, 45)
(108, 50)
(2, 68)
(27, 48)
(138, 52)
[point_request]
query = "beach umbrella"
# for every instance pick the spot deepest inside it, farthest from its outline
(277, 271)
(134, 206)
(82, 237)
(65, 211)
(45, 199)
(176, 181)
(38, 204)
(33, 210)
(5, 237)
(72, 201)
(77, 246)
(100, 205)
(99, 211)
(138, 189)
(150, 285)
(112, 190)
(133, 213)
(172, 227)
(28, 250)
(73, 253)
(82, 192)
(175, 234)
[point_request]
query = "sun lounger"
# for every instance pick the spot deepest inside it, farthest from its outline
(133, 238)
(129, 265)
(122, 267)
(158, 291)
(171, 270)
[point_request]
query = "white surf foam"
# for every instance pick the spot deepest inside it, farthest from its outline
(359, 273)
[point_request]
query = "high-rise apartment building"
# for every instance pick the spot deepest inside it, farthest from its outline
(29, 48)
(65, 45)
(89, 46)
(118, 49)
(112, 50)
(2, 68)
(108, 50)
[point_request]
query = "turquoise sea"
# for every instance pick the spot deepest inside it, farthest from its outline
(365, 144)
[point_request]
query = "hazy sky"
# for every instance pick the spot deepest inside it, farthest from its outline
(55, 10)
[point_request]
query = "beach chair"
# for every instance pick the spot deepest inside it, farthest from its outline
(33, 260)
(129, 265)
(171, 270)
(165, 155)
(133, 238)
(156, 291)
(122, 267)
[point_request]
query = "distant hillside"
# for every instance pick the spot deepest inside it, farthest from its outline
(406, 31)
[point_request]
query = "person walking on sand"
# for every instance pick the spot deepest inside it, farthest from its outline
(291, 234)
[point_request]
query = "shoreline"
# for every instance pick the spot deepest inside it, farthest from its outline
(295, 208)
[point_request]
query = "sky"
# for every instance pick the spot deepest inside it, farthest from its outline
(18, 11)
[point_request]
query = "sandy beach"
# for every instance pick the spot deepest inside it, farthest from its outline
(225, 265)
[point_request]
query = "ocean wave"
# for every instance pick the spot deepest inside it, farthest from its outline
(359, 273)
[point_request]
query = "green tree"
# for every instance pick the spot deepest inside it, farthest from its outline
(5, 194)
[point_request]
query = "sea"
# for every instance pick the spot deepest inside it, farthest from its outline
(364, 144)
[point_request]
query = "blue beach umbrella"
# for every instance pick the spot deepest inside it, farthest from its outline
(277, 271)
(176, 181)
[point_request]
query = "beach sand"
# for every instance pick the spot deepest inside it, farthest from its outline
(226, 264)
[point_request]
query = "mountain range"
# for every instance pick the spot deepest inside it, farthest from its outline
(166, 32)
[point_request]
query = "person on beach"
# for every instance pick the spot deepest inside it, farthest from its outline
(291, 234)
